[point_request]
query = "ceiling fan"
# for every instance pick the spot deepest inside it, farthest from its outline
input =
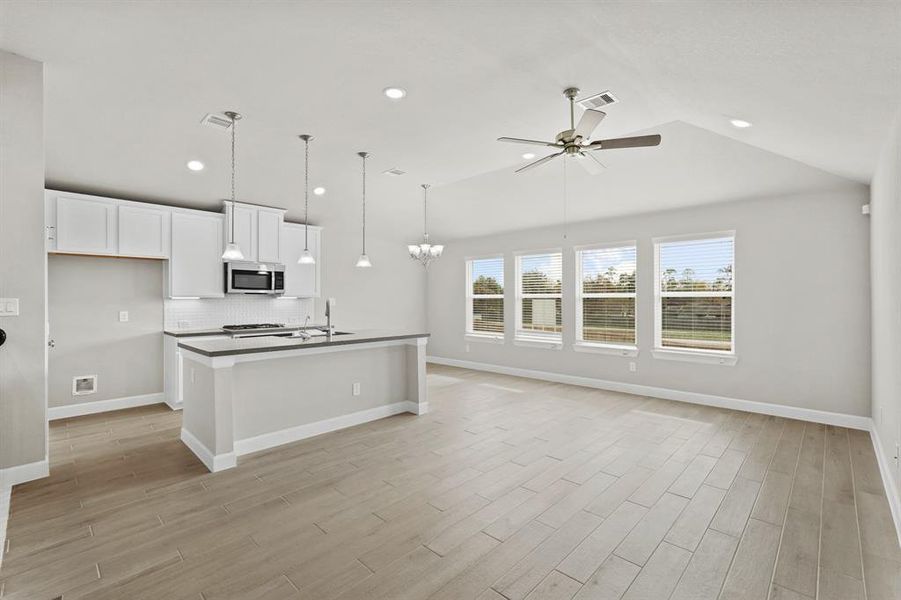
(575, 140)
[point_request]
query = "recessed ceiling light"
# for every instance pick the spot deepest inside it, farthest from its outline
(195, 165)
(529, 155)
(395, 93)
(740, 123)
(319, 191)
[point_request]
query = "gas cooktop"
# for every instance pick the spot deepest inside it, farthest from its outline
(251, 326)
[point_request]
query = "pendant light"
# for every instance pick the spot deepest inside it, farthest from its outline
(363, 262)
(306, 257)
(232, 250)
(425, 252)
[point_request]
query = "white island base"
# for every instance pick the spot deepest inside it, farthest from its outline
(236, 404)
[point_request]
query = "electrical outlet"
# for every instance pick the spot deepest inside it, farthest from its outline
(357, 388)
(632, 366)
(123, 316)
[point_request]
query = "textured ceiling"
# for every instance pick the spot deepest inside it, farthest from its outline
(127, 84)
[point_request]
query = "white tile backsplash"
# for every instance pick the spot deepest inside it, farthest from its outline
(209, 313)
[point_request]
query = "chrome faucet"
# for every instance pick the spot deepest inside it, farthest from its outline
(328, 317)
(303, 330)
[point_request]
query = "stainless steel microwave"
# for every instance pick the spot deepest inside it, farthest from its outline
(254, 278)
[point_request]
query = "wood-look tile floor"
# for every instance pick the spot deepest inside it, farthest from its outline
(509, 488)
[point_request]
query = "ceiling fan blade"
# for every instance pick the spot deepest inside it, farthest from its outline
(538, 162)
(587, 124)
(522, 141)
(627, 142)
(590, 163)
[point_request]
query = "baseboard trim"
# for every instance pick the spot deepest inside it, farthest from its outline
(11, 476)
(213, 462)
(885, 466)
(5, 494)
(99, 406)
(308, 430)
(778, 410)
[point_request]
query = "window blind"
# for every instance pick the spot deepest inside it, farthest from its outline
(539, 295)
(606, 295)
(486, 295)
(694, 283)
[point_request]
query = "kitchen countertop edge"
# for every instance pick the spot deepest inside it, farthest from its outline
(279, 344)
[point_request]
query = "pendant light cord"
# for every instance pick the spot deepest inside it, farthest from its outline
(234, 126)
(425, 212)
(364, 205)
(306, 195)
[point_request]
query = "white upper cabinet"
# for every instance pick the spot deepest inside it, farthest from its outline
(269, 230)
(84, 224)
(144, 231)
(195, 267)
(257, 230)
(301, 281)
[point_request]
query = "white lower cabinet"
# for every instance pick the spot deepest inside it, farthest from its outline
(195, 266)
(301, 281)
(173, 367)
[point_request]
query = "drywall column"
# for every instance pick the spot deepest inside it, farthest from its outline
(23, 272)
(885, 277)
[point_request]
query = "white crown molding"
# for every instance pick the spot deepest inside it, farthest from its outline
(98, 406)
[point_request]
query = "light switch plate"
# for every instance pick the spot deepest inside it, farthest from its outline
(356, 389)
(9, 307)
(123, 316)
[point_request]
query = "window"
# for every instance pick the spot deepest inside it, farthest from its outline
(485, 297)
(605, 295)
(694, 294)
(538, 298)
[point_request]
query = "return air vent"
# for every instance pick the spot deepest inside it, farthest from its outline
(395, 172)
(84, 384)
(597, 101)
(217, 121)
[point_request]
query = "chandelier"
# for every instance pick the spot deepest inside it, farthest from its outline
(425, 252)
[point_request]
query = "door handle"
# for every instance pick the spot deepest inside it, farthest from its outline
(51, 343)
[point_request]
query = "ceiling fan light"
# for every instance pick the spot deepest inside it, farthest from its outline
(363, 262)
(414, 250)
(436, 250)
(306, 258)
(232, 252)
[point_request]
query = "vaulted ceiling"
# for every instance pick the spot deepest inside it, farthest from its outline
(127, 84)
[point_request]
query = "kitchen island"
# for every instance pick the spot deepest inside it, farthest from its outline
(243, 395)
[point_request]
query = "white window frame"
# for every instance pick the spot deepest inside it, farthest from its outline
(581, 345)
(717, 357)
(521, 337)
(483, 336)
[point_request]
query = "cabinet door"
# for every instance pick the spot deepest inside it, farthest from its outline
(300, 280)
(268, 234)
(245, 230)
(85, 225)
(143, 231)
(195, 267)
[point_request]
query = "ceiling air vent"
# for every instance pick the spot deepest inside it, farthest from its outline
(395, 172)
(217, 121)
(597, 101)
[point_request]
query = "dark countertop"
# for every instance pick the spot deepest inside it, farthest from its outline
(178, 333)
(254, 345)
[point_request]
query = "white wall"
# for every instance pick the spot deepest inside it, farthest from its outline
(802, 331)
(885, 250)
(85, 295)
(23, 424)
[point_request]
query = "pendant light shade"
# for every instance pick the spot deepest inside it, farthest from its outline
(363, 262)
(232, 250)
(306, 257)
